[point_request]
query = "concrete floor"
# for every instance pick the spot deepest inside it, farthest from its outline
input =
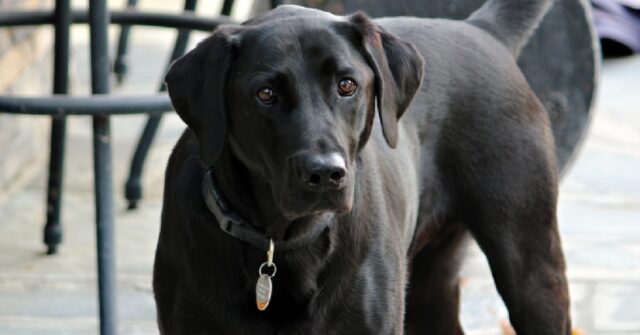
(599, 219)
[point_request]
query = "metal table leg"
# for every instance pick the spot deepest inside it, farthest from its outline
(99, 20)
(53, 228)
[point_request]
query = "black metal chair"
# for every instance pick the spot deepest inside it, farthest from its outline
(100, 106)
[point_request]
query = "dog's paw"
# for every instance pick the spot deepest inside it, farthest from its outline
(506, 328)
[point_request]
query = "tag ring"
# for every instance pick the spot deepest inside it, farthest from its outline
(272, 265)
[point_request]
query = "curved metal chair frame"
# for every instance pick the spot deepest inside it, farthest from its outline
(100, 106)
(133, 187)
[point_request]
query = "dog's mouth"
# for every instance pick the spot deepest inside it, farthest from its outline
(295, 203)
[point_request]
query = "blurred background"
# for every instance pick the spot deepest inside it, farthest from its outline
(599, 209)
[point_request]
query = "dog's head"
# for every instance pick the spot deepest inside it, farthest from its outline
(293, 95)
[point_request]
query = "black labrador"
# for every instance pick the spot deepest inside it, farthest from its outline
(289, 208)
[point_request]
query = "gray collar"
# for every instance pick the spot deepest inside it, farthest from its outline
(232, 224)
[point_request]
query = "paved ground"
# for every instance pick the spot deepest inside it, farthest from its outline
(599, 219)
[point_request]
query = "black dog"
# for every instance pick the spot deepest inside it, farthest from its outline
(368, 217)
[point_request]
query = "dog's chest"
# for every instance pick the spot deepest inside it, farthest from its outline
(314, 289)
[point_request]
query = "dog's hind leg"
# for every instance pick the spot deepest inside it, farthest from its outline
(529, 271)
(433, 295)
(509, 204)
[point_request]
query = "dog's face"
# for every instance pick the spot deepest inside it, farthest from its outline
(293, 94)
(297, 109)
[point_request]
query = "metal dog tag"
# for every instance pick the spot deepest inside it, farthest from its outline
(263, 292)
(264, 285)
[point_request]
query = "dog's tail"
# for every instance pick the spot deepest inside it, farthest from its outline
(511, 21)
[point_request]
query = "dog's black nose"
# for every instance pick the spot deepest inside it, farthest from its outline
(321, 172)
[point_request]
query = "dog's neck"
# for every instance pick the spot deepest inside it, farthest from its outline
(244, 193)
(252, 199)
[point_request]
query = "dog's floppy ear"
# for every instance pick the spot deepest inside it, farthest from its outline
(398, 69)
(196, 83)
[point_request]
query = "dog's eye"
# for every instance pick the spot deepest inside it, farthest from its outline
(347, 87)
(266, 94)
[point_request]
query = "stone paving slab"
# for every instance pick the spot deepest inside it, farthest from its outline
(618, 307)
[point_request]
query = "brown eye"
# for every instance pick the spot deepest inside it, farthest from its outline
(347, 86)
(266, 94)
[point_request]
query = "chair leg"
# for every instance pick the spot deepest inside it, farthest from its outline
(99, 19)
(133, 189)
(120, 65)
(53, 228)
(105, 230)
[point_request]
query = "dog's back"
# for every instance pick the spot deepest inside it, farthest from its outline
(470, 65)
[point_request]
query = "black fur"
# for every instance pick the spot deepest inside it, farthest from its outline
(473, 157)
